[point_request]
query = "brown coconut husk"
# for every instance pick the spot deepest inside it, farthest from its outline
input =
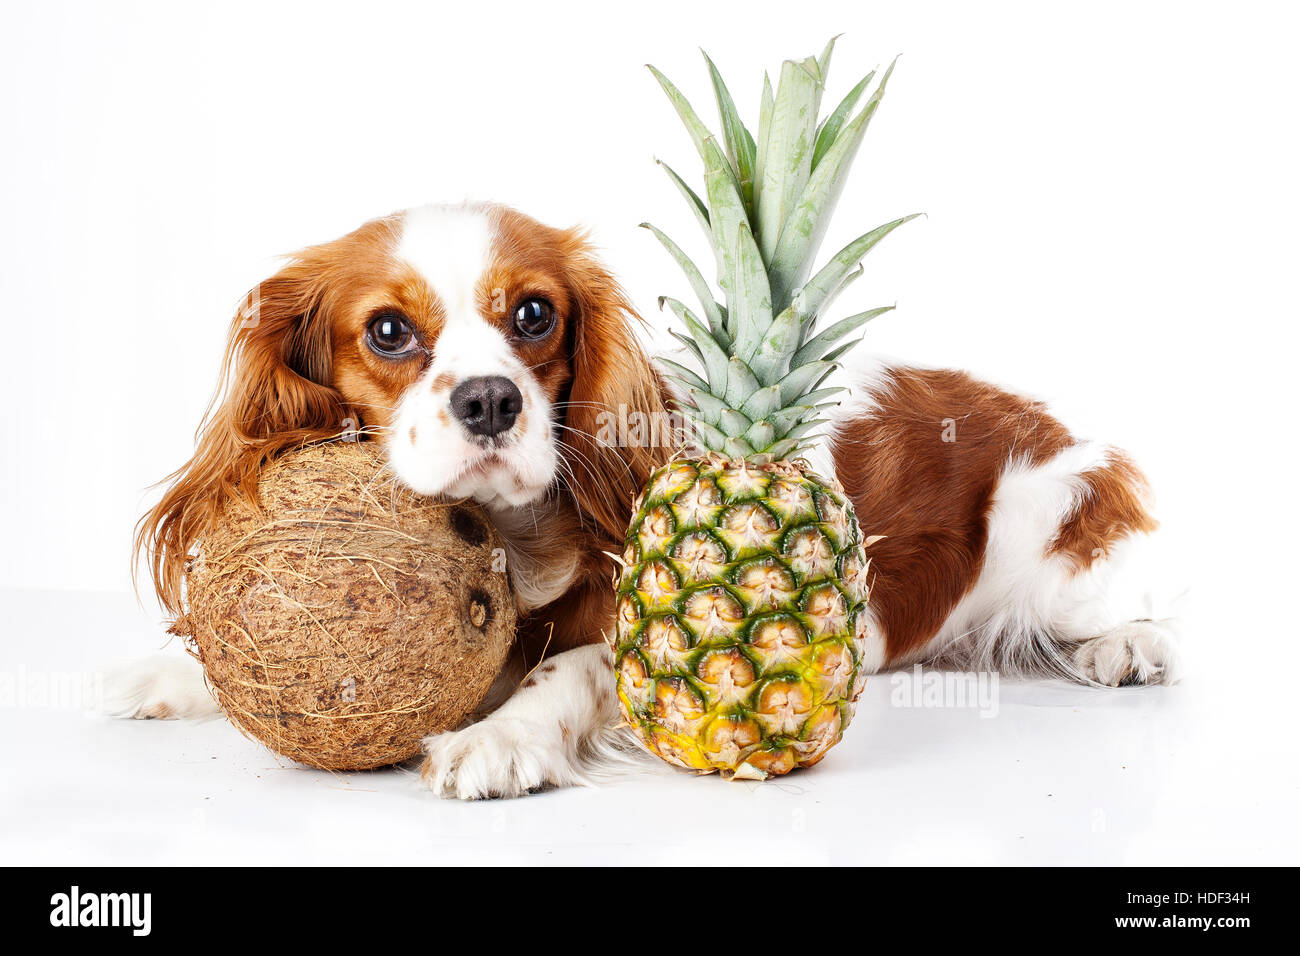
(344, 618)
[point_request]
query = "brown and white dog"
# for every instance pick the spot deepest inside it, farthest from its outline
(482, 348)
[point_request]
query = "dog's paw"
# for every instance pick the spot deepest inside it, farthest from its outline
(1136, 652)
(497, 757)
(162, 687)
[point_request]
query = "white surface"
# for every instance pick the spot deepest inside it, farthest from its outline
(1112, 209)
(1202, 773)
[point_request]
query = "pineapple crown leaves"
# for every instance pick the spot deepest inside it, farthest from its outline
(766, 204)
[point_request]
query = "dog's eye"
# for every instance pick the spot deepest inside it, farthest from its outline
(390, 334)
(534, 318)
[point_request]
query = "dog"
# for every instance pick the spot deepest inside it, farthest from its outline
(481, 348)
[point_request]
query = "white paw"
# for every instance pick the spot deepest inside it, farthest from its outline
(1136, 652)
(498, 757)
(165, 687)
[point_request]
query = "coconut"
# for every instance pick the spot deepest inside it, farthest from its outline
(344, 618)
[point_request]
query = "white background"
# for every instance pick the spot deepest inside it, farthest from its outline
(1112, 207)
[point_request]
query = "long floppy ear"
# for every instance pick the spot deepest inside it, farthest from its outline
(274, 394)
(613, 381)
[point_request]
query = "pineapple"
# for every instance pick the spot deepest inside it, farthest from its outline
(742, 599)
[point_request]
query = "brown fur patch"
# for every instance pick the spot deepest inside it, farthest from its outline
(921, 469)
(443, 382)
(1112, 508)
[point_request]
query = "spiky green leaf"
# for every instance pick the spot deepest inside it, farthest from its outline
(700, 210)
(829, 130)
(801, 236)
(788, 156)
(761, 434)
(835, 354)
(690, 344)
(766, 106)
(772, 360)
(732, 422)
(738, 448)
(814, 347)
(824, 61)
(815, 398)
(847, 281)
(741, 383)
(690, 119)
(832, 366)
(752, 305)
(782, 449)
(740, 145)
(763, 402)
(682, 375)
(788, 417)
(802, 380)
(700, 134)
(812, 297)
(709, 406)
(696, 280)
(707, 435)
(711, 354)
(740, 267)
(805, 428)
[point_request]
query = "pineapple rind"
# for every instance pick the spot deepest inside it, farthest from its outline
(742, 616)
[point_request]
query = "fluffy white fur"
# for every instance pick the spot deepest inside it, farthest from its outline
(1029, 611)
(559, 729)
(164, 686)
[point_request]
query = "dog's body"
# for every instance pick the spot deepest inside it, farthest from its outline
(482, 348)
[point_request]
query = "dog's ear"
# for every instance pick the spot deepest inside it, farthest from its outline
(613, 379)
(275, 393)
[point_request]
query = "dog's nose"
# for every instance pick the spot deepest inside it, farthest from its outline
(487, 404)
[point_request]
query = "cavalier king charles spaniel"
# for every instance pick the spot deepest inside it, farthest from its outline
(485, 351)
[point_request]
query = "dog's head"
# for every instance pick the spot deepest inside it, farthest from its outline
(480, 346)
